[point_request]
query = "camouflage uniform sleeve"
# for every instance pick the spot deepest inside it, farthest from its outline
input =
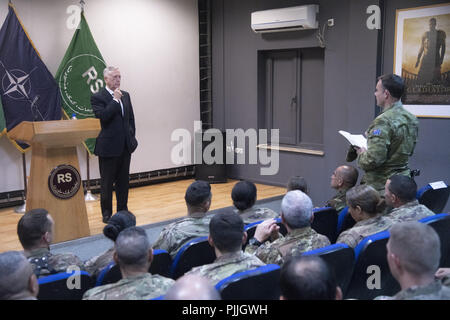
(265, 252)
(348, 238)
(60, 262)
(165, 240)
(378, 143)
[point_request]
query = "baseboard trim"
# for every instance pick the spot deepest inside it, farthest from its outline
(16, 198)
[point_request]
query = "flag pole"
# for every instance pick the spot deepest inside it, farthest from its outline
(23, 208)
(89, 196)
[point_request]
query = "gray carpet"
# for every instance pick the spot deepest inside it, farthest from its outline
(88, 247)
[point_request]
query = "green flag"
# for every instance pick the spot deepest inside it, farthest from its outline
(79, 75)
(2, 120)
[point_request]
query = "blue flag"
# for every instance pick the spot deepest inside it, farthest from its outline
(28, 90)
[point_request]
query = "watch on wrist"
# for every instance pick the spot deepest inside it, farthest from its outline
(254, 242)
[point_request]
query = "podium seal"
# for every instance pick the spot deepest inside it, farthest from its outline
(64, 181)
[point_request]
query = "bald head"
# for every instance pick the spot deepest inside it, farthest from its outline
(192, 287)
(344, 177)
(308, 278)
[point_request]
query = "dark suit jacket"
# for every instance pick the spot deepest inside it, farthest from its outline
(117, 132)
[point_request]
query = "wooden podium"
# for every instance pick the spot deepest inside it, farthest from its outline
(55, 183)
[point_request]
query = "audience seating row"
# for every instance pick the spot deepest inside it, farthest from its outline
(362, 273)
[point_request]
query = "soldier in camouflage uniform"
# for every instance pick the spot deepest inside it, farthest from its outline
(133, 254)
(413, 254)
(342, 179)
(391, 138)
(400, 194)
(296, 216)
(244, 198)
(365, 206)
(227, 236)
(35, 231)
(116, 224)
(174, 236)
(17, 280)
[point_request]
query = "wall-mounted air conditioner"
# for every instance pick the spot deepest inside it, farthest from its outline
(285, 19)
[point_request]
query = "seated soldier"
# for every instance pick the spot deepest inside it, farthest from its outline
(134, 255)
(244, 198)
(400, 194)
(118, 222)
(35, 231)
(413, 254)
(226, 236)
(342, 179)
(308, 278)
(296, 216)
(297, 183)
(174, 236)
(365, 206)
(17, 280)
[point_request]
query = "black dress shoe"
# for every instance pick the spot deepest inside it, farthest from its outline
(106, 219)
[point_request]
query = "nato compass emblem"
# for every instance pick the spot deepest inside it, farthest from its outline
(16, 85)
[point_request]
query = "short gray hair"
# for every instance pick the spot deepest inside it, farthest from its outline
(15, 274)
(297, 209)
(108, 70)
(417, 246)
(132, 247)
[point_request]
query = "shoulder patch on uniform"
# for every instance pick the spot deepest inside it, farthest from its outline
(376, 132)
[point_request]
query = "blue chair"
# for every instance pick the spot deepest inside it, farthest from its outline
(195, 252)
(256, 284)
(325, 222)
(345, 221)
(57, 286)
(283, 229)
(433, 199)
(441, 224)
(160, 265)
(340, 258)
(371, 262)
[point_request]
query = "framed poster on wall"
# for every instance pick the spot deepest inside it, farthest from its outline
(422, 58)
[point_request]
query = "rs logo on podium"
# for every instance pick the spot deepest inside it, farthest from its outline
(64, 181)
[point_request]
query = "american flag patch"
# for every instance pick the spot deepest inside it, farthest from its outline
(376, 132)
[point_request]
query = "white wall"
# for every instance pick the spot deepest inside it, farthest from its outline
(155, 44)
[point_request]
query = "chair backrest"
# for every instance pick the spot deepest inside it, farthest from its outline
(256, 284)
(109, 274)
(283, 229)
(160, 265)
(340, 258)
(195, 252)
(64, 286)
(345, 221)
(441, 224)
(371, 275)
(434, 199)
(325, 222)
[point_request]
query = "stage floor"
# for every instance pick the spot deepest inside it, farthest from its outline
(150, 204)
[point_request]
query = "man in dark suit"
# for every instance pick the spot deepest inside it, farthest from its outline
(116, 140)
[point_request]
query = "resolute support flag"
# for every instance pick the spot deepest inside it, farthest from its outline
(28, 90)
(80, 74)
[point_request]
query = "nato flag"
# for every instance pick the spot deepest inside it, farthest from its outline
(28, 90)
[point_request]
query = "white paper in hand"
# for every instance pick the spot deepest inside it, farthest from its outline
(355, 139)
